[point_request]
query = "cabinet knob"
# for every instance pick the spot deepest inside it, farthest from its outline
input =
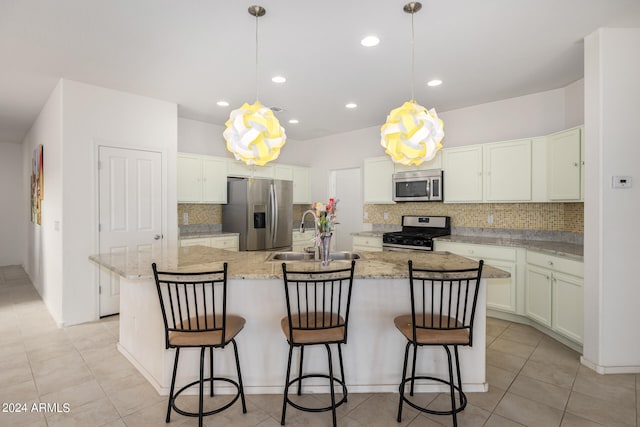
(575, 164)
(550, 262)
(548, 277)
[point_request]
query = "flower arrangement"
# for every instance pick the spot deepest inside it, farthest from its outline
(326, 215)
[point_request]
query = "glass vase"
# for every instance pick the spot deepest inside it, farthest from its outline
(325, 257)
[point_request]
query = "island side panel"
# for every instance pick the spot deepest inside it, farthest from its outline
(373, 355)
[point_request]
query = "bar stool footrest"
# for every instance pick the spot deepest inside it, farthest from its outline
(463, 397)
(323, 409)
(214, 411)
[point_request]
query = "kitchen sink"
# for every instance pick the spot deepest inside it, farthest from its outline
(307, 256)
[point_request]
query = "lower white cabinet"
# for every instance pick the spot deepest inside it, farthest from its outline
(227, 242)
(502, 293)
(554, 294)
(367, 243)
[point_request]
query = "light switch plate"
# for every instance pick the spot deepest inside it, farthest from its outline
(185, 218)
(621, 182)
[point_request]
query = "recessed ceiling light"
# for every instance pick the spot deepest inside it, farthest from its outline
(278, 79)
(434, 82)
(294, 121)
(370, 41)
(223, 103)
(351, 105)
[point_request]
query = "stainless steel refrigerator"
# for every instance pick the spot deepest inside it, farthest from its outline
(261, 211)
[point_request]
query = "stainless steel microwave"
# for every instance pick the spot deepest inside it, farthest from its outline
(418, 186)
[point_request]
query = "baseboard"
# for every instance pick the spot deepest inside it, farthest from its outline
(610, 369)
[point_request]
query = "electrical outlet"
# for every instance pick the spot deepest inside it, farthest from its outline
(185, 218)
(386, 216)
(490, 218)
(366, 215)
(621, 182)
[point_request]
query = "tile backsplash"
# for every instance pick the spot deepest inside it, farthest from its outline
(518, 216)
(199, 214)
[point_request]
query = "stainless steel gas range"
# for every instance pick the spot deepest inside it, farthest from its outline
(417, 233)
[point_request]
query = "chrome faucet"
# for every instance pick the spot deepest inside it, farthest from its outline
(315, 219)
(316, 253)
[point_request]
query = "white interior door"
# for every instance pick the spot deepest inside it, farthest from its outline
(346, 186)
(130, 212)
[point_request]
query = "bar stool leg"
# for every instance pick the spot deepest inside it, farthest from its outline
(462, 401)
(211, 369)
(173, 384)
(402, 383)
(201, 386)
(235, 351)
(300, 371)
(286, 386)
(451, 387)
(333, 393)
(413, 369)
(341, 368)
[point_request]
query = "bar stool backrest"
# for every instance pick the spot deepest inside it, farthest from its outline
(444, 300)
(318, 300)
(192, 303)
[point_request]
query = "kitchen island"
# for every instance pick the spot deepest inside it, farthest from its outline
(373, 354)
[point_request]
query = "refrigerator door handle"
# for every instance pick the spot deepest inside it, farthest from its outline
(272, 212)
(276, 220)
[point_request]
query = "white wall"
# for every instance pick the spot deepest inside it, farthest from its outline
(612, 230)
(201, 138)
(13, 217)
(44, 250)
(76, 119)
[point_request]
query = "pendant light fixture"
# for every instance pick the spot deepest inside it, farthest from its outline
(253, 132)
(412, 134)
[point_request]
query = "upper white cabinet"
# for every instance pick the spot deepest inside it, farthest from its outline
(301, 185)
(284, 172)
(201, 179)
(493, 172)
(564, 165)
(462, 174)
(238, 168)
(507, 171)
(435, 163)
(378, 172)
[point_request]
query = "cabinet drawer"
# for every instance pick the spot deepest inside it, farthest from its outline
(478, 251)
(370, 242)
(227, 242)
(200, 241)
(564, 265)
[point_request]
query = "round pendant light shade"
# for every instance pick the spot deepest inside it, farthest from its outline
(412, 134)
(254, 134)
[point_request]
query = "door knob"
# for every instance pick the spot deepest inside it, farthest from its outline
(157, 237)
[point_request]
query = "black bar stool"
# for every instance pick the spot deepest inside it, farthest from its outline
(443, 306)
(194, 310)
(317, 314)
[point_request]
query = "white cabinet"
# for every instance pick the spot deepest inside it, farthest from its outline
(201, 179)
(462, 174)
(564, 165)
(502, 293)
(507, 171)
(227, 242)
(378, 173)
(555, 294)
(301, 185)
(238, 168)
(493, 172)
(367, 243)
(435, 163)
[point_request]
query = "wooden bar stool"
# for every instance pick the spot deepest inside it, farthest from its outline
(443, 306)
(194, 310)
(317, 314)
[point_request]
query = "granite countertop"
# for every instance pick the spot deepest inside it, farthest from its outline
(253, 265)
(569, 250)
(195, 235)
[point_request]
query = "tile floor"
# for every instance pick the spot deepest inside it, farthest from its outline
(534, 381)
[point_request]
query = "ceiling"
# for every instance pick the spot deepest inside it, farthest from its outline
(197, 52)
